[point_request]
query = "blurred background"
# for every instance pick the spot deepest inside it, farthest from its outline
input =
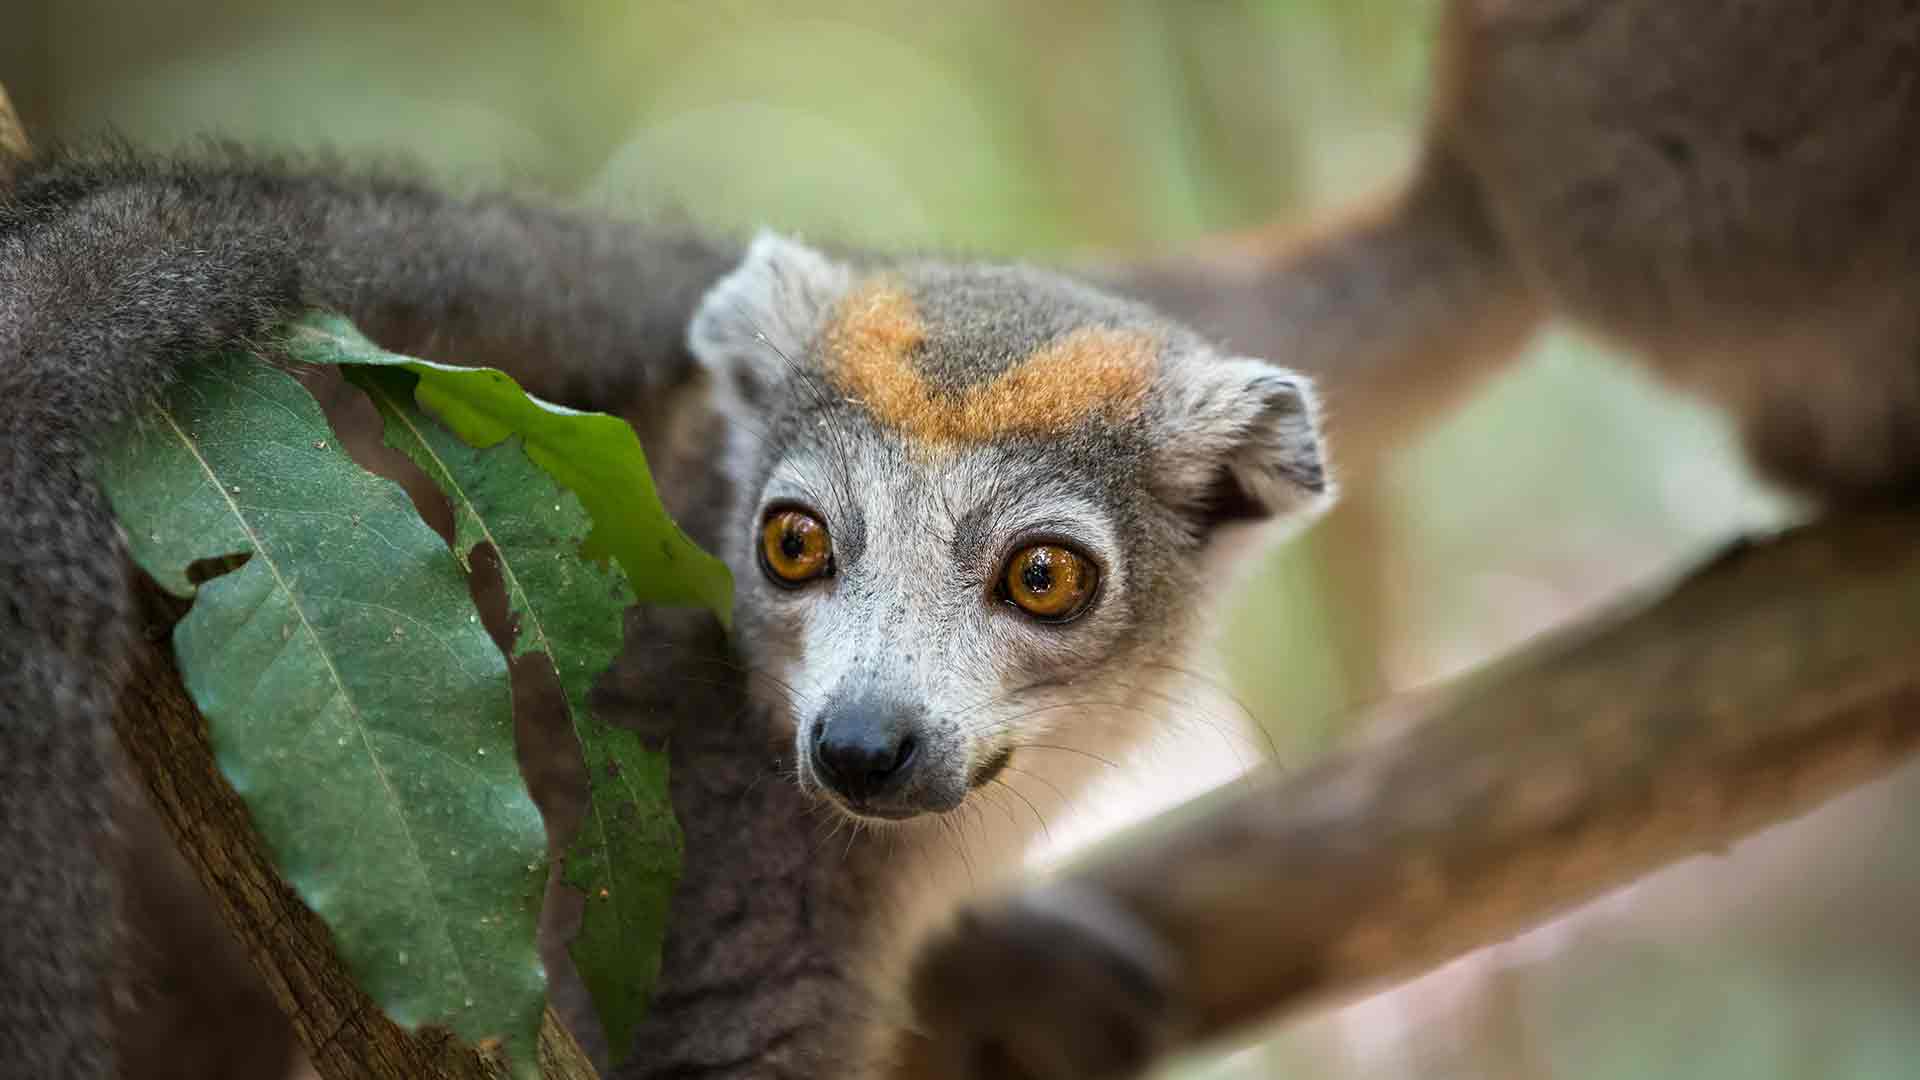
(1054, 130)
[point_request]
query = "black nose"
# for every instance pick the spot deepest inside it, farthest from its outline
(864, 751)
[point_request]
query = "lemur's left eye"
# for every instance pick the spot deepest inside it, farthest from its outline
(1049, 582)
(794, 548)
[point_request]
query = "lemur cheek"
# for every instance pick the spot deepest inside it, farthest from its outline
(990, 768)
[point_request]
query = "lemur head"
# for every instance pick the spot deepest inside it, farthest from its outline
(968, 494)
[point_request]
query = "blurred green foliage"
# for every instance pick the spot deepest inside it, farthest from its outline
(1046, 129)
(997, 125)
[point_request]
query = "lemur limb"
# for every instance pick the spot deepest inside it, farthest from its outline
(1399, 307)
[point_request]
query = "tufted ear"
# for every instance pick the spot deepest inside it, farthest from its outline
(763, 314)
(1243, 441)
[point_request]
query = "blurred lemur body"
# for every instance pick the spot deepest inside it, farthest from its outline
(1723, 187)
(973, 511)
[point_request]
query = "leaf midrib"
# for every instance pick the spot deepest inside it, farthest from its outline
(333, 673)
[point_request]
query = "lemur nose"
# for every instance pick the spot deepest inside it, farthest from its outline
(864, 752)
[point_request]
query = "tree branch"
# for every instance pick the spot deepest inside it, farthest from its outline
(345, 1033)
(15, 149)
(1780, 675)
(13, 137)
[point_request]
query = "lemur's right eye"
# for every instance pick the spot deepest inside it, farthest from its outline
(794, 548)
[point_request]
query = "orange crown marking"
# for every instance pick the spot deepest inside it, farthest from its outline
(1091, 371)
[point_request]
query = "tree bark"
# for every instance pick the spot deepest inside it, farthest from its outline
(14, 146)
(345, 1034)
(1781, 674)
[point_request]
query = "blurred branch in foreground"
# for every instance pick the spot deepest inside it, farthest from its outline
(1781, 674)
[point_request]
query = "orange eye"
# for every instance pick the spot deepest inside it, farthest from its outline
(1049, 582)
(794, 547)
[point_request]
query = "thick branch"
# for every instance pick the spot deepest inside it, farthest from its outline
(344, 1032)
(1780, 675)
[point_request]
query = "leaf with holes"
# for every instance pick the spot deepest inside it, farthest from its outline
(569, 609)
(353, 698)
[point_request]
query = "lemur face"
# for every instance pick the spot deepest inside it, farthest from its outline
(978, 504)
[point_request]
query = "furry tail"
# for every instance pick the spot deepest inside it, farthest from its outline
(62, 644)
(1396, 308)
(99, 304)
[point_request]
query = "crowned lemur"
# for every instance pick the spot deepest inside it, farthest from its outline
(964, 497)
(973, 511)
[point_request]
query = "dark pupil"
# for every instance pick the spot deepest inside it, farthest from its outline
(1038, 574)
(792, 544)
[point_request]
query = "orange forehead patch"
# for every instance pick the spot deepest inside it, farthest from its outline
(1091, 371)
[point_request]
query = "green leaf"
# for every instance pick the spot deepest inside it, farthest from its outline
(626, 859)
(568, 608)
(593, 455)
(353, 698)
